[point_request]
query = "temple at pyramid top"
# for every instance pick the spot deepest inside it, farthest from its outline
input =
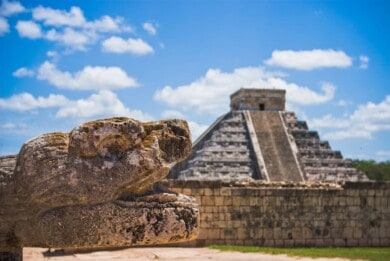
(258, 99)
(259, 139)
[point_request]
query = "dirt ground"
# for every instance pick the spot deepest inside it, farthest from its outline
(160, 253)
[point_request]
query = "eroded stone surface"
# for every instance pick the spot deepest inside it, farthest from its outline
(93, 187)
(112, 224)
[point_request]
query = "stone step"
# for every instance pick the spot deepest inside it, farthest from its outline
(314, 144)
(331, 163)
(216, 149)
(320, 170)
(322, 154)
(216, 160)
(275, 147)
(297, 125)
(304, 134)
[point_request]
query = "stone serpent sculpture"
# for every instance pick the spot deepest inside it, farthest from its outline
(96, 187)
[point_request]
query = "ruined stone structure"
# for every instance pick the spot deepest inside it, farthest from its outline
(96, 187)
(258, 139)
(288, 214)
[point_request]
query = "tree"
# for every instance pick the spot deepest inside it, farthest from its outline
(374, 170)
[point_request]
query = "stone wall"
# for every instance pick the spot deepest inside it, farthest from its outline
(287, 214)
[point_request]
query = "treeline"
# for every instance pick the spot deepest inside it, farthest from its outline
(374, 170)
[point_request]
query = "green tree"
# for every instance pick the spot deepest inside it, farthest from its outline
(374, 170)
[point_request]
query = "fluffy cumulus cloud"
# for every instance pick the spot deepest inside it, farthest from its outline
(108, 24)
(210, 93)
(119, 45)
(366, 120)
(75, 18)
(150, 28)
(67, 28)
(54, 17)
(4, 26)
(309, 60)
(102, 104)
(74, 40)
(29, 29)
(70, 28)
(8, 8)
(89, 78)
(301, 94)
(23, 72)
(25, 101)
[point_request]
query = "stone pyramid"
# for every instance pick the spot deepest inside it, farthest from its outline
(258, 139)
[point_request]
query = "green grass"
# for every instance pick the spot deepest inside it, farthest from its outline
(365, 253)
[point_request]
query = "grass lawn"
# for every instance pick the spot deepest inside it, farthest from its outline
(365, 253)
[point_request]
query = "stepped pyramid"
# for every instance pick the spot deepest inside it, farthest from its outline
(258, 139)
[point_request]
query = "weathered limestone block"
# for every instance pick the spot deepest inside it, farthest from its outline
(95, 187)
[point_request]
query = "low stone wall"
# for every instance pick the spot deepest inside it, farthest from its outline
(287, 215)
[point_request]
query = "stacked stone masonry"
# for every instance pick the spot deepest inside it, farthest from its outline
(316, 158)
(288, 214)
(226, 154)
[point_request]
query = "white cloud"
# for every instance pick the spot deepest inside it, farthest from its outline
(74, 40)
(51, 53)
(29, 29)
(309, 60)
(172, 114)
(89, 78)
(150, 28)
(196, 129)
(4, 26)
(119, 45)
(210, 93)
(54, 17)
(328, 121)
(303, 95)
(72, 30)
(362, 123)
(108, 24)
(11, 8)
(23, 72)
(363, 61)
(25, 101)
(102, 104)
(75, 18)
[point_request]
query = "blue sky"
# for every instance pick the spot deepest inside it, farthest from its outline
(66, 62)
